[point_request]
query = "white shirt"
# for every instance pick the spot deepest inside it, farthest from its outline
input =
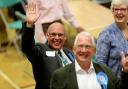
(86, 80)
(51, 10)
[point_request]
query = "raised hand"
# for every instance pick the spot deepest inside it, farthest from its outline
(32, 14)
(124, 62)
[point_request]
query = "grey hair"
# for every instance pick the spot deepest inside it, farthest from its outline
(85, 34)
(118, 2)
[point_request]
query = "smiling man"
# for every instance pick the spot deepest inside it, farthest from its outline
(56, 35)
(86, 74)
(44, 57)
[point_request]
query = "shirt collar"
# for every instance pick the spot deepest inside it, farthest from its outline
(61, 50)
(78, 68)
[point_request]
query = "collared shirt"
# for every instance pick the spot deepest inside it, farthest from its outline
(86, 79)
(109, 46)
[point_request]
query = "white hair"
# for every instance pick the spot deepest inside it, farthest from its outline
(118, 2)
(85, 34)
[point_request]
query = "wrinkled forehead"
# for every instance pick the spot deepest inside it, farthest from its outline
(84, 40)
(120, 6)
(84, 37)
(56, 28)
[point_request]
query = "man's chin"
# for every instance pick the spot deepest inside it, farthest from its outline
(57, 47)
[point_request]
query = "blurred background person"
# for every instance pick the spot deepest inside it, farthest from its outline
(52, 11)
(114, 38)
(20, 8)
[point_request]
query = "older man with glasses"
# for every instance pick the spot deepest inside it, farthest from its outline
(45, 58)
(86, 74)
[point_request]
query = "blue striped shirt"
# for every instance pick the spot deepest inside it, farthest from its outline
(110, 43)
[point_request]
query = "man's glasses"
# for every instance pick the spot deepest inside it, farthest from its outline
(56, 34)
(115, 10)
(84, 46)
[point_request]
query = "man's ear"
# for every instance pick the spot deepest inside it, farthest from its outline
(46, 35)
(73, 49)
(65, 38)
(94, 51)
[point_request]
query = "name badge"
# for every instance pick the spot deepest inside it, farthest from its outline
(50, 53)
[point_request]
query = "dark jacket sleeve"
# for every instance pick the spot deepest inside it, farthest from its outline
(28, 45)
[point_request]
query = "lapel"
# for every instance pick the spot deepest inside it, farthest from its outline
(72, 76)
(69, 54)
(57, 58)
(99, 68)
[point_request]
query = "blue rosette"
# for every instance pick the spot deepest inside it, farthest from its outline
(102, 79)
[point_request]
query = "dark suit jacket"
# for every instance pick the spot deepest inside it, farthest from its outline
(65, 78)
(43, 65)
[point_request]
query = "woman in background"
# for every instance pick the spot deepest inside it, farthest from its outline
(114, 38)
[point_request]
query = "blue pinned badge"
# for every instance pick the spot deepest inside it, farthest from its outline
(102, 79)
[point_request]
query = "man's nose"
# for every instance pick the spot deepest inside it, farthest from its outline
(57, 36)
(118, 11)
(84, 49)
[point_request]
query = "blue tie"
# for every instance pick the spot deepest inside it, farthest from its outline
(64, 60)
